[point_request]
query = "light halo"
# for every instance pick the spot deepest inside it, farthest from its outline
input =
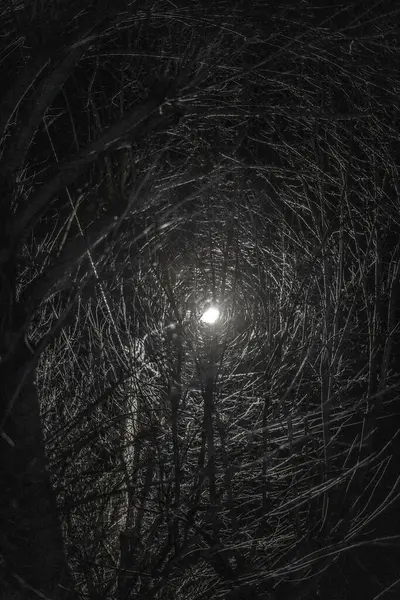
(210, 316)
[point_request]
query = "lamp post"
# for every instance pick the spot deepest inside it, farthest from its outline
(210, 319)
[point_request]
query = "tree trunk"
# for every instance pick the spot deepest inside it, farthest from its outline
(31, 544)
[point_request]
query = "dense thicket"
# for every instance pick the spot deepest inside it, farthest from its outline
(158, 158)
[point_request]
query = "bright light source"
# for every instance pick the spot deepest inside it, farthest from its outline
(210, 316)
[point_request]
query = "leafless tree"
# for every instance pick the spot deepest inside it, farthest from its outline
(161, 157)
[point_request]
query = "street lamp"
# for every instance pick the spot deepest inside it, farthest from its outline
(210, 316)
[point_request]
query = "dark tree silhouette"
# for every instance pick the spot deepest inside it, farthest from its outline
(156, 159)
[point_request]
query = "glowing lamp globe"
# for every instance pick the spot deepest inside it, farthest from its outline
(210, 316)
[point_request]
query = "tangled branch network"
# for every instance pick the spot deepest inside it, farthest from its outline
(251, 427)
